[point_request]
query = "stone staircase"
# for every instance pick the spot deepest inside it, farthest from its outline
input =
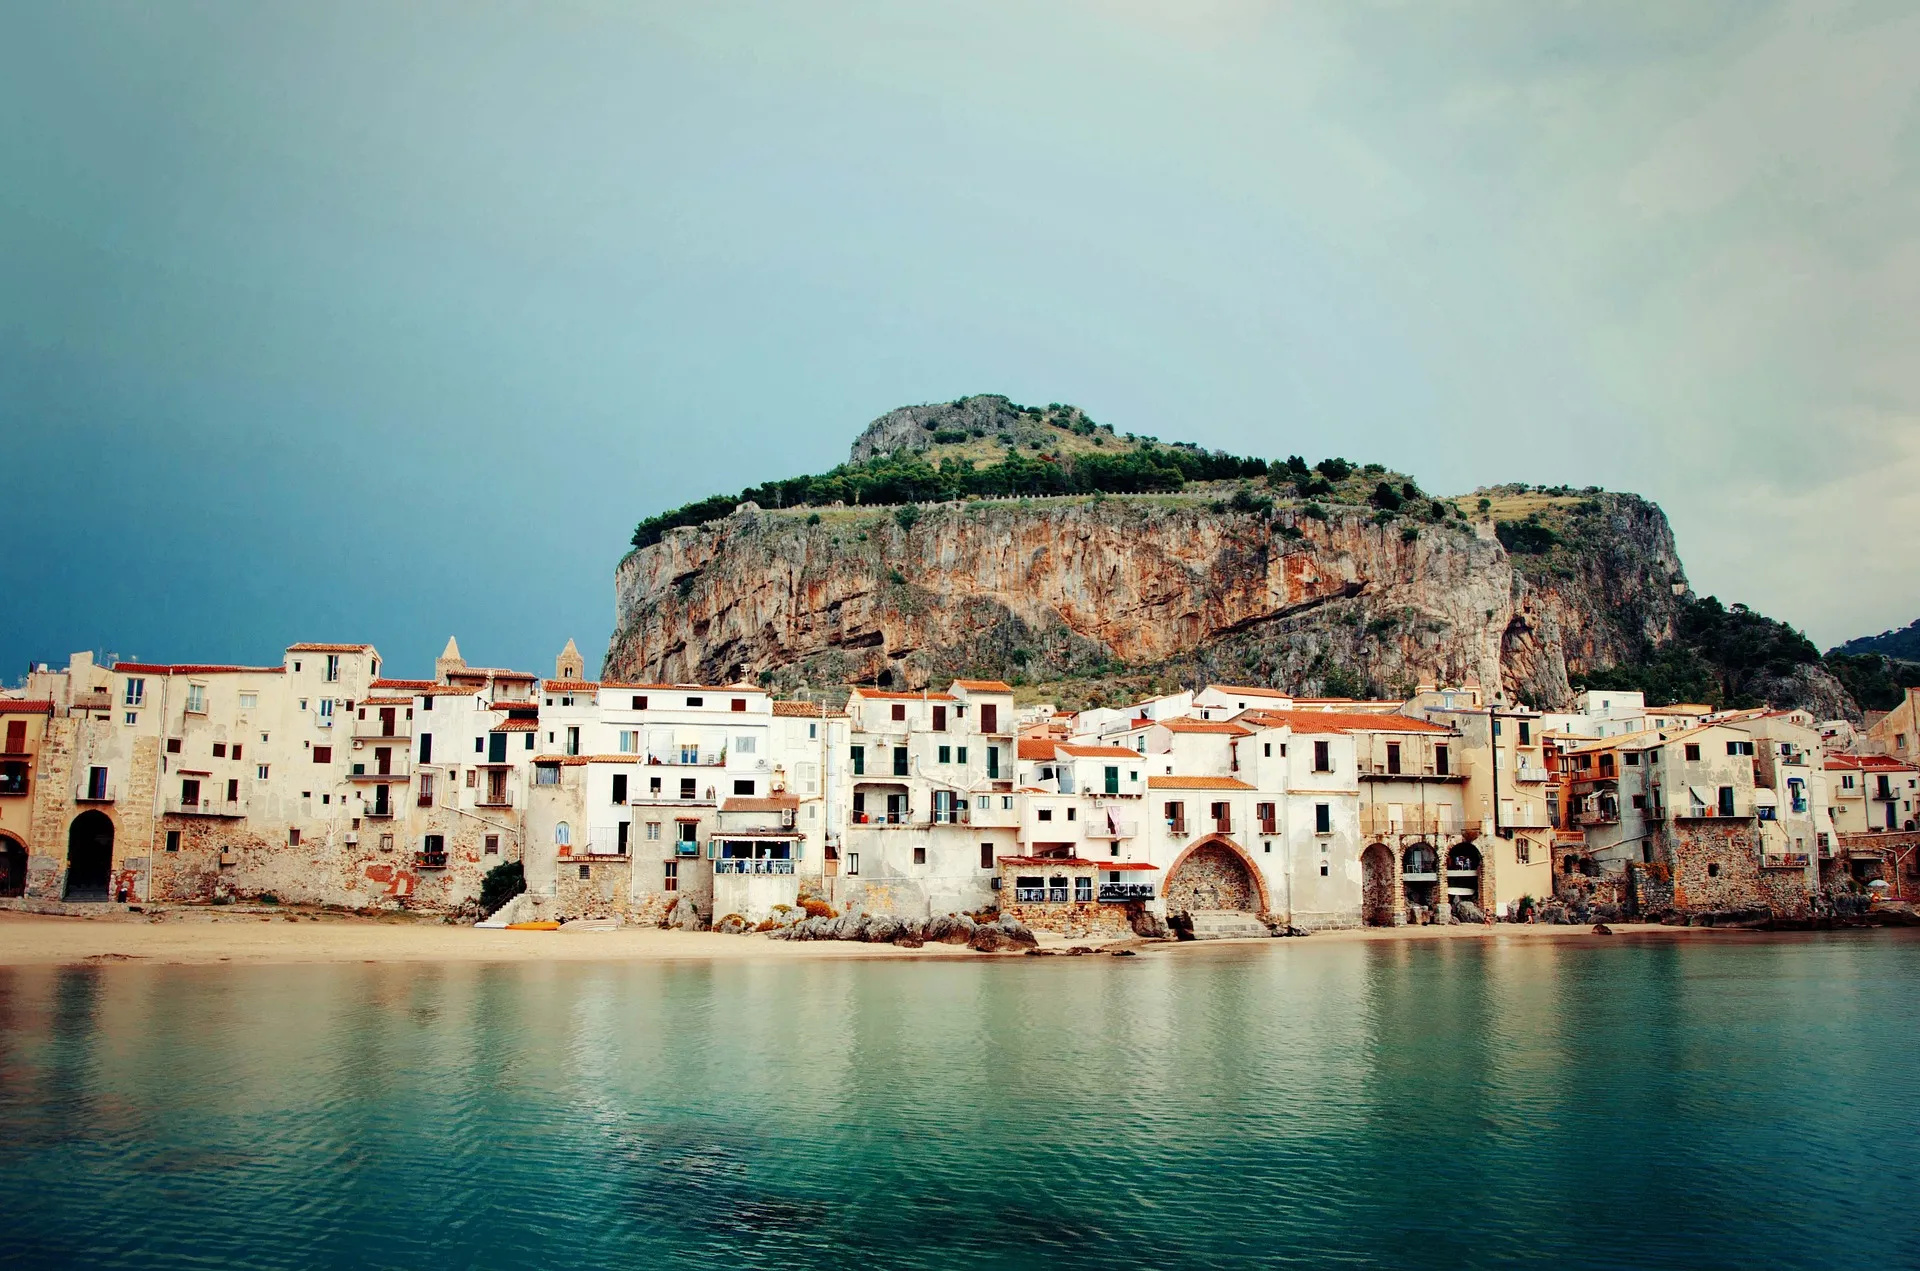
(1227, 924)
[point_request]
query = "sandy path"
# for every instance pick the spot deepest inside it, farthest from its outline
(205, 936)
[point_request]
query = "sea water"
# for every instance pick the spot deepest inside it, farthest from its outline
(1729, 1101)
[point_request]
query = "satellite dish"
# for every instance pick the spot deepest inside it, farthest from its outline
(1878, 884)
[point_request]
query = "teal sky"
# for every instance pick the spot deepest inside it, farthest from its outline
(371, 321)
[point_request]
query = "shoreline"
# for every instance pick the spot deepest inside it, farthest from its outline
(297, 937)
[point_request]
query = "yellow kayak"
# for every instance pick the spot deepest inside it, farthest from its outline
(533, 926)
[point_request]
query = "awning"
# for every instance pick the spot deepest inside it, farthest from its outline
(1764, 798)
(1707, 797)
(1127, 865)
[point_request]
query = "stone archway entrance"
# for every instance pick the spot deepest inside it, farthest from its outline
(89, 857)
(1213, 875)
(13, 868)
(1377, 905)
(1464, 875)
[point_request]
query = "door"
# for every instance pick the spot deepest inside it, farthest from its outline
(89, 857)
(16, 736)
(989, 718)
(496, 747)
(896, 810)
(386, 721)
(381, 806)
(993, 761)
(383, 760)
(1113, 781)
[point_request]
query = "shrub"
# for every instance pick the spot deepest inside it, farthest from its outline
(1334, 469)
(1290, 532)
(1385, 497)
(1526, 537)
(949, 436)
(1245, 500)
(817, 908)
(813, 518)
(906, 515)
(1315, 511)
(502, 883)
(1485, 504)
(1410, 535)
(897, 578)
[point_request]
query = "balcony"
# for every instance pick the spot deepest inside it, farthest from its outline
(752, 867)
(371, 730)
(883, 818)
(494, 799)
(685, 759)
(1112, 827)
(1115, 893)
(14, 784)
(91, 793)
(378, 812)
(430, 860)
(1373, 770)
(205, 807)
(1784, 860)
(398, 773)
(1530, 774)
(1603, 817)
(1376, 821)
(1527, 820)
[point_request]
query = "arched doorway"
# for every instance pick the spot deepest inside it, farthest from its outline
(1376, 886)
(89, 857)
(13, 867)
(1464, 874)
(1420, 877)
(1214, 874)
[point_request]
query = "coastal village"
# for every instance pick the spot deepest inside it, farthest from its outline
(1223, 811)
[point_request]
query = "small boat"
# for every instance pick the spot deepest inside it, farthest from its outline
(533, 926)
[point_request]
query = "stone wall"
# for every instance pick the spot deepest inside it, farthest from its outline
(1716, 866)
(1212, 877)
(1892, 857)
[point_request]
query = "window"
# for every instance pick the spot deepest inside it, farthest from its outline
(233, 790)
(899, 761)
(1263, 812)
(1631, 758)
(1006, 803)
(1266, 750)
(1073, 814)
(173, 840)
(1029, 888)
(739, 704)
(960, 754)
(745, 745)
(479, 745)
(132, 718)
(1713, 870)
(1640, 801)
(586, 871)
(1441, 761)
(173, 745)
(629, 741)
(1322, 818)
(260, 772)
(333, 667)
(986, 856)
(744, 786)
(249, 701)
(1083, 890)
(623, 830)
(919, 856)
(939, 719)
(196, 699)
(859, 760)
(688, 831)
(813, 732)
(1044, 814)
(563, 834)
(493, 845)
(573, 741)
(1693, 752)
(326, 708)
(323, 754)
(1322, 756)
(671, 879)
(426, 747)
(1526, 739)
(1176, 814)
(1726, 800)
(219, 750)
(136, 694)
(899, 712)
(619, 787)
(687, 787)
(853, 862)
(653, 831)
(236, 751)
(946, 754)
(696, 701)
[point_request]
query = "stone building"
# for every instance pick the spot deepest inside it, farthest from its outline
(1872, 793)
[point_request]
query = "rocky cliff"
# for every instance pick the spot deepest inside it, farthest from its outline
(1056, 587)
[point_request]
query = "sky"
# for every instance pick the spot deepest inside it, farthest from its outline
(360, 321)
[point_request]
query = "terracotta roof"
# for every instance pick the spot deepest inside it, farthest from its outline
(1347, 722)
(564, 761)
(517, 726)
(1184, 724)
(1034, 748)
(1865, 763)
(329, 648)
(406, 684)
(984, 686)
(1197, 783)
(806, 710)
(1127, 865)
(491, 673)
(194, 668)
(1251, 690)
(904, 697)
(1047, 862)
(771, 803)
(570, 686)
(24, 706)
(386, 701)
(1097, 752)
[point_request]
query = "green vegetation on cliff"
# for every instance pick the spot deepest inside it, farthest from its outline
(1723, 656)
(1876, 681)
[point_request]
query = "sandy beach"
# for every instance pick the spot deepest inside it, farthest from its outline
(198, 937)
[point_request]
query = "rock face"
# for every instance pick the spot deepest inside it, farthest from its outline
(1054, 587)
(912, 428)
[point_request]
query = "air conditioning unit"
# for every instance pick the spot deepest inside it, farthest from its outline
(352, 838)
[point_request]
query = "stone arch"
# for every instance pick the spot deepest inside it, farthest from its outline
(13, 867)
(1215, 873)
(90, 857)
(1377, 903)
(1420, 880)
(1459, 858)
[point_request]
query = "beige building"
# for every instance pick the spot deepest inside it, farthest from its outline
(1897, 733)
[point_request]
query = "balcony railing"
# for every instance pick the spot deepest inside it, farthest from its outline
(752, 867)
(1602, 817)
(1784, 860)
(883, 818)
(1030, 895)
(379, 811)
(206, 807)
(1410, 821)
(494, 799)
(374, 730)
(685, 759)
(398, 772)
(430, 860)
(1115, 892)
(14, 785)
(91, 793)
(1526, 820)
(1530, 774)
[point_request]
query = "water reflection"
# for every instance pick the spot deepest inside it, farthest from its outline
(1449, 1103)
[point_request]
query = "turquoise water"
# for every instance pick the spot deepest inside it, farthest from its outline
(1733, 1102)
